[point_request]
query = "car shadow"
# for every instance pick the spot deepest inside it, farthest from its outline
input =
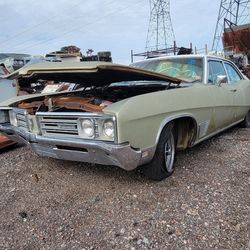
(137, 175)
(12, 147)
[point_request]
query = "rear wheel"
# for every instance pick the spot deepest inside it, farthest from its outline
(246, 122)
(162, 164)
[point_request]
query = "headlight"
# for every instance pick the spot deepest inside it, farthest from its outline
(101, 128)
(4, 116)
(87, 128)
(13, 119)
(108, 129)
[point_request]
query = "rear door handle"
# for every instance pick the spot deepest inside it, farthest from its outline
(233, 90)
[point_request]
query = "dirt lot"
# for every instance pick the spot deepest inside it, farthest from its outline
(52, 204)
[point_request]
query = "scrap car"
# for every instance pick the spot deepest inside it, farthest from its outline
(128, 116)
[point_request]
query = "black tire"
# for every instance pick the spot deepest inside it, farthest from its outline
(246, 122)
(162, 164)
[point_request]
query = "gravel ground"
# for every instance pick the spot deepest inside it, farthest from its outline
(53, 204)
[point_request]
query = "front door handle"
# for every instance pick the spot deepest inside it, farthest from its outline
(233, 90)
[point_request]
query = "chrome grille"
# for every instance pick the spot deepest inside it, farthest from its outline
(21, 117)
(58, 126)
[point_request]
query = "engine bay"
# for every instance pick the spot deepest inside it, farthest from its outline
(90, 99)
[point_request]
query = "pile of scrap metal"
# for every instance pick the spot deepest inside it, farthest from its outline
(9, 62)
(102, 56)
(236, 41)
(73, 54)
(70, 53)
(12, 61)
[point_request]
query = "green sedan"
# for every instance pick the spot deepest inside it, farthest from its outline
(128, 116)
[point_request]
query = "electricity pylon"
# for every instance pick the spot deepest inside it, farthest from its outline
(160, 29)
(231, 13)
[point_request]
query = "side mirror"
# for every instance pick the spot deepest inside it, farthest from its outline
(221, 79)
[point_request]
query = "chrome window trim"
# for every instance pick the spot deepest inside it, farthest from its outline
(216, 60)
(238, 72)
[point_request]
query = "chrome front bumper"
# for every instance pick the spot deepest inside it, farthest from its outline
(81, 150)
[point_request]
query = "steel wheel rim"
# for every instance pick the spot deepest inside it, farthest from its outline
(169, 153)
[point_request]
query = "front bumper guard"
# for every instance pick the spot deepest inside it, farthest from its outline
(121, 155)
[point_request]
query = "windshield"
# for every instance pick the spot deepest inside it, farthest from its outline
(185, 69)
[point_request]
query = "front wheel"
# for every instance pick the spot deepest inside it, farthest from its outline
(246, 122)
(162, 164)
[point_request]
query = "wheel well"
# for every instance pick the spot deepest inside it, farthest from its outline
(185, 130)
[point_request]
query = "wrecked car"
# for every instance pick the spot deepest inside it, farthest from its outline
(128, 116)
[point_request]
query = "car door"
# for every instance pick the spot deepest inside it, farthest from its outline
(238, 90)
(222, 94)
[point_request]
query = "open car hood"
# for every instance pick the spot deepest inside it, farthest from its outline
(86, 73)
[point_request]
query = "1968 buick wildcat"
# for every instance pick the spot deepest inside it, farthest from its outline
(128, 116)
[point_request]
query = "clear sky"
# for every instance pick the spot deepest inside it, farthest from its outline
(41, 26)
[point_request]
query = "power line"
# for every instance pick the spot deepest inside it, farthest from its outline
(78, 28)
(37, 25)
(30, 41)
(3, 7)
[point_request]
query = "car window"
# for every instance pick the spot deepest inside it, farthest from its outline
(185, 69)
(216, 74)
(233, 75)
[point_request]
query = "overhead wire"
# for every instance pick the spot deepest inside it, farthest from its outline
(37, 25)
(243, 12)
(78, 28)
(42, 23)
(30, 41)
(3, 6)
